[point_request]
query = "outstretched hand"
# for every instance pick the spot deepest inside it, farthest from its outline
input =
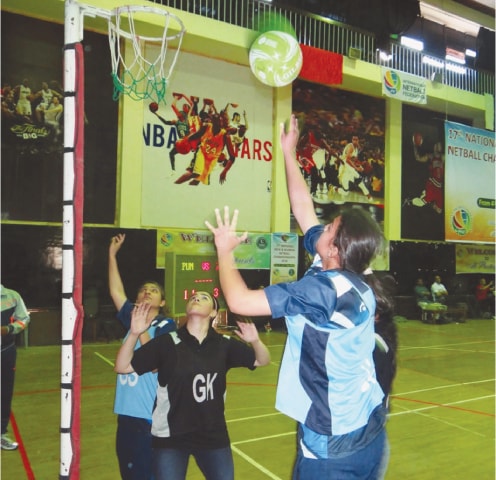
(116, 243)
(247, 331)
(139, 318)
(289, 139)
(226, 239)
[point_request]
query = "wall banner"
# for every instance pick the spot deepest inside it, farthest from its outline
(403, 86)
(254, 253)
(208, 145)
(284, 258)
(469, 184)
(475, 259)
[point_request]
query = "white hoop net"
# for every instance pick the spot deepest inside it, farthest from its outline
(133, 73)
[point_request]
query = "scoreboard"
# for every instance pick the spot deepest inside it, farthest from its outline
(186, 274)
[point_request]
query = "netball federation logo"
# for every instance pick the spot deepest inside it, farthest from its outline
(461, 221)
(392, 82)
(166, 239)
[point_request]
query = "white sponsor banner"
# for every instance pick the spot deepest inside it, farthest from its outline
(403, 86)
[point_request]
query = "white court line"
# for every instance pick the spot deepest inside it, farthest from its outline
(269, 437)
(448, 349)
(254, 463)
(432, 417)
(415, 412)
(105, 359)
(444, 345)
(256, 417)
(430, 389)
(430, 407)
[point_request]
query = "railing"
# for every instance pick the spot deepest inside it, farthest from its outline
(337, 37)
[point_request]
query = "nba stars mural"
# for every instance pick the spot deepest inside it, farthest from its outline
(208, 145)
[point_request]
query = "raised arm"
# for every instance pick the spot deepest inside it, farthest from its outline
(239, 297)
(116, 286)
(139, 324)
(299, 194)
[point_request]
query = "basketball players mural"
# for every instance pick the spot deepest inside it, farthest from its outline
(341, 147)
(208, 144)
(207, 137)
(32, 112)
(33, 123)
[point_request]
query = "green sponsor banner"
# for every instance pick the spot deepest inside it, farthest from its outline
(253, 253)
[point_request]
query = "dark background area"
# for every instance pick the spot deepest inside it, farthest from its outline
(31, 261)
(32, 187)
(32, 168)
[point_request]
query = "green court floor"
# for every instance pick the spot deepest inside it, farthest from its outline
(441, 426)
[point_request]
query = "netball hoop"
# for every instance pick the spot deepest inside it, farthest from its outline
(140, 78)
(133, 73)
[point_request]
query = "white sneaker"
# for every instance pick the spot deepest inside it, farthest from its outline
(8, 444)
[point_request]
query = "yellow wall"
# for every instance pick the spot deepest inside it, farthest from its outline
(219, 40)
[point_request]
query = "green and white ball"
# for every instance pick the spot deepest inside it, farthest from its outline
(276, 58)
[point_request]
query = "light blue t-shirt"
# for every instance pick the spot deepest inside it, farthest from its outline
(327, 377)
(134, 394)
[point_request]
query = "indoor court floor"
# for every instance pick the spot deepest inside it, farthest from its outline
(441, 426)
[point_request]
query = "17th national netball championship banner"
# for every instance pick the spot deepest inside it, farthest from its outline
(470, 184)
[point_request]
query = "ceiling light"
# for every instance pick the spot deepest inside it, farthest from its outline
(470, 53)
(412, 43)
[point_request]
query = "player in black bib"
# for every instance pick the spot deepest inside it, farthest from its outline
(192, 363)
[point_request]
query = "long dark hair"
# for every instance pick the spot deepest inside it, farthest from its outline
(358, 238)
(384, 289)
(384, 326)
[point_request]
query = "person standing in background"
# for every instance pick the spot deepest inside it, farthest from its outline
(484, 296)
(134, 395)
(15, 318)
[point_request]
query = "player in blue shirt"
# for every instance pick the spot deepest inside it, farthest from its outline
(135, 395)
(327, 380)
